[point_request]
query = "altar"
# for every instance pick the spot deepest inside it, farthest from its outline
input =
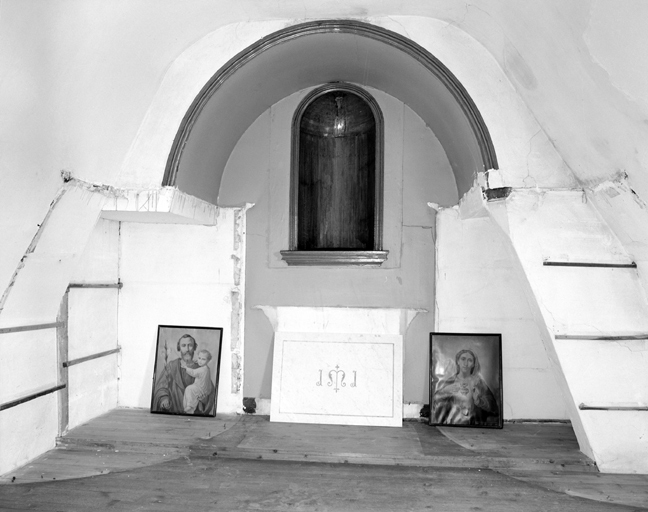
(335, 365)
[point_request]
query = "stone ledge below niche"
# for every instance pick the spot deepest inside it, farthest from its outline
(334, 258)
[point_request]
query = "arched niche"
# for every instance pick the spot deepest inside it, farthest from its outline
(303, 56)
(336, 185)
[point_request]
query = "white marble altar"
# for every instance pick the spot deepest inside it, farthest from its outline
(338, 365)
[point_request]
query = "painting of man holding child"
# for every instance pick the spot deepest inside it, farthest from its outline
(185, 379)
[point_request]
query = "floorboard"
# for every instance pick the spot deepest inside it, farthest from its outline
(133, 460)
(228, 485)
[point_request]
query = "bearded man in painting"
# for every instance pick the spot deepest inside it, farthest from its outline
(170, 385)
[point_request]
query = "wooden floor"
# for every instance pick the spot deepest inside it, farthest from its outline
(133, 460)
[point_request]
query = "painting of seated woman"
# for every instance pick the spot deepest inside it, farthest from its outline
(466, 380)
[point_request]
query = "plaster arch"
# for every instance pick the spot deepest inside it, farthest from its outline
(314, 53)
(524, 153)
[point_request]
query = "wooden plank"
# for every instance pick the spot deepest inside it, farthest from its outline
(64, 464)
(251, 462)
(322, 438)
(96, 285)
(62, 344)
(218, 484)
(67, 364)
(607, 488)
(33, 396)
(34, 327)
(519, 440)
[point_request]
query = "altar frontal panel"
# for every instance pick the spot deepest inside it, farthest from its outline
(332, 378)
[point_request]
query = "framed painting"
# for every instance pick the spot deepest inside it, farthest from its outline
(466, 380)
(185, 375)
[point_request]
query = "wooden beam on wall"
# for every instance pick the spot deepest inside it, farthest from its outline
(18, 401)
(34, 327)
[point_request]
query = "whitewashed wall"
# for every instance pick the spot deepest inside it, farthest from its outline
(92, 327)
(177, 274)
(28, 429)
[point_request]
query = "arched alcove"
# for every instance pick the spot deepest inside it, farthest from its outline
(336, 171)
(309, 54)
(336, 184)
(285, 67)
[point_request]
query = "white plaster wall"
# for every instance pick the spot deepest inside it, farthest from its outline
(174, 275)
(99, 263)
(28, 429)
(41, 278)
(481, 287)
(627, 216)
(92, 389)
(92, 327)
(41, 373)
(564, 226)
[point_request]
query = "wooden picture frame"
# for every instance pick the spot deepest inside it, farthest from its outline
(466, 380)
(186, 371)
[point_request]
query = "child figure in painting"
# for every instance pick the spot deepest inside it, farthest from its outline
(202, 385)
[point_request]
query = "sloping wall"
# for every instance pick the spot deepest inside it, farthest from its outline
(592, 302)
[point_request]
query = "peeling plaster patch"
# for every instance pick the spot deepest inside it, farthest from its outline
(237, 269)
(164, 204)
(238, 253)
(492, 178)
(236, 373)
(236, 311)
(619, 178)
(235, 344)
(472, 204)
(238, 231)
(617, 185)
(238, 244)
(106, 190)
